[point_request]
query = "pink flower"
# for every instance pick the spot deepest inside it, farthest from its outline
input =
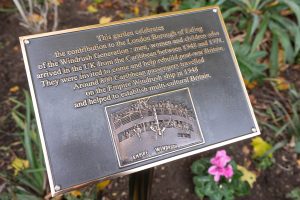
(221, 159)
(220, 166)
(217, 172)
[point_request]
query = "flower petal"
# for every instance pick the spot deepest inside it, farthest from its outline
(213, 170)
(228, 172)
(217, 178)
(221, 159)
(221, 153)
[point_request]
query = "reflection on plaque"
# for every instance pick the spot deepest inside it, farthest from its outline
(155, 125)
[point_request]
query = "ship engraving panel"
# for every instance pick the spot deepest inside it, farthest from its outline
(151, 126)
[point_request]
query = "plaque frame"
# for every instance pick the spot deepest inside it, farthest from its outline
(55, 189)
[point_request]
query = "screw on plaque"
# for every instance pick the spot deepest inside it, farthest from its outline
(57, 187)
(215, 10)
(26, 41)
(253, 130)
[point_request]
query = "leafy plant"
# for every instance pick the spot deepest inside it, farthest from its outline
(226, 187)
(277, 123)
(294, 194)
(165, 4)
(35, 14)
(89, 193)
(187, 4)
(285, 119)
(268, 24)
(249, 61)
(29, 180)
(263, 152)
(7, 10)
(294, 125)
(270, 16)
(168, 5)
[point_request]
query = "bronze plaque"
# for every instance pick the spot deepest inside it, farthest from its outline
(126, 96)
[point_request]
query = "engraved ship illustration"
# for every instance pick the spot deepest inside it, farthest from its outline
(151, 126)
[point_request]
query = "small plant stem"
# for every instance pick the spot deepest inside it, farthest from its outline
(30, 7)
(55, 22)
(21, 11)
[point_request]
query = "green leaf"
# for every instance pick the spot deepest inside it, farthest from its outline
(297, 40)
(32, 180)
(242, 189)
(294, 194)
(294, 7)
(284, 40)
(294, 120)
(201, 180)
(199, 192)
(216, 196)
(27, 197)
(191, 4)
(27, 140)
(228, 193)
(166, 4)
(20, 123)
(265, 163)
(98, 1)
(199, 167)
(260, 35)
(242, 23)
(210, 188)
(263, 3)
(274, 148)
(284, 23)
(278, 130)
(231, 11)
(248, 61)
(274, 66)
(297, 146)
(254, 26)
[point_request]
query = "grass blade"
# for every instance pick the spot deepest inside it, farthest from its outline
(274, 66)
(260, 35)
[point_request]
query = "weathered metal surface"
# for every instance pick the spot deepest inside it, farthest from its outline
(119, 98)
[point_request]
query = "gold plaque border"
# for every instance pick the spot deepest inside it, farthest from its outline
(34, 101)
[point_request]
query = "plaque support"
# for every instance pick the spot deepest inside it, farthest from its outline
(140, 185)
